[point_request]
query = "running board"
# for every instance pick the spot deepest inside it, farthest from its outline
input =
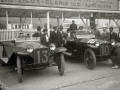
(5, 60)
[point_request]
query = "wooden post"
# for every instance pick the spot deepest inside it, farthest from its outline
(48, 23)
(6, 19)
(79, 17)
(58, 23)
(20, 19)
(31, 18)
(31, 25)
(62, 19)
(5, 32)
(87, 23)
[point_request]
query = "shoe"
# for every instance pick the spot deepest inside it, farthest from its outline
(115, 67)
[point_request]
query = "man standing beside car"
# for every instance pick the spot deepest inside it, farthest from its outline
(63, 34)
(118, 36)
(113, 35)
(105, 35)
(45, 38)
(115, 58)
(73, 26)
(97, 33)
(56, 37)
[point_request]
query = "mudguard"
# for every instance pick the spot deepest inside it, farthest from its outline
(21, 53)
(61, 50)
(92, 46)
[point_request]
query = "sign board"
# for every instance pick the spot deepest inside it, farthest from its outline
(77, 4)
(20, 26)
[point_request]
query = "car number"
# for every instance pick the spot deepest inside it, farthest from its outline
(41, 56)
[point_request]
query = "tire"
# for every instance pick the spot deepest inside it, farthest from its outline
(2, 63)
(61, 64)
(19, 70)
(3, 55)
(90, 59)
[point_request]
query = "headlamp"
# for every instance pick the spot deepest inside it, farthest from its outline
(52, 46)
(97, 44)
(112, 42)
(29, 48)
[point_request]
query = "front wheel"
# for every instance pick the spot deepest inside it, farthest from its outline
(2, 63)
(61, 64)
(89, 59)
(19, 70)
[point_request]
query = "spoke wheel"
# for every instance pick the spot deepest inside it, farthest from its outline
(89, 59)
(61, 64)
(19, 70)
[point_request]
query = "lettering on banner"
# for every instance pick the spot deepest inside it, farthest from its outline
(87, 4)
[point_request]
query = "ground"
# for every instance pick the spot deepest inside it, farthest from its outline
(76, 77)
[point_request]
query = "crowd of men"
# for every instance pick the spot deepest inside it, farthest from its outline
(107, 36)
(56, 36)
(59, 36)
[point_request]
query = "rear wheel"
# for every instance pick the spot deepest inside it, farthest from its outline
(19, 70)
(61, 64)
(89, 59)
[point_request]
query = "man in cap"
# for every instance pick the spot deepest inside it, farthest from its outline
(56, 37)
(113, 35)
(72, 36)
(45, 38)
(73, 26)
(105, 35)
(38, 33)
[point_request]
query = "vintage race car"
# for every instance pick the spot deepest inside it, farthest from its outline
(92, 49)
(28, 53)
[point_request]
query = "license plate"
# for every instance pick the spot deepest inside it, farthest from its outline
(105, 49)
(41, 55)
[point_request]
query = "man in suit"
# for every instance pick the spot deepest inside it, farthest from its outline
(113, 35)
(45, 38)
(63, 34)
(56, 37)
(118, 36)
(73, 26)
(97, 33)
(105, 35)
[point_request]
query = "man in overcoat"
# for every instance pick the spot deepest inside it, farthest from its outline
(113, 35)
(56, 37)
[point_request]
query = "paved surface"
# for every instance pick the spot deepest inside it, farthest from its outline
(76, 77)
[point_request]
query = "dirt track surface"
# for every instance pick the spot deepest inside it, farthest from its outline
(76, 77)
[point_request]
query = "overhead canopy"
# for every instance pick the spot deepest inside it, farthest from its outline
(40, 12)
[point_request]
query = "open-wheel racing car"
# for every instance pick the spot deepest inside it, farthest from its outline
(91, 49)
(28, 53)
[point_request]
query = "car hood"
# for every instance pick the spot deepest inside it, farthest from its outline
(34, 44)
(88, 40)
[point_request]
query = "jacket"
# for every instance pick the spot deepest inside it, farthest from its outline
(105, 36)
(73, 27)
(56, 38)
(44, 41)
(113, 36)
